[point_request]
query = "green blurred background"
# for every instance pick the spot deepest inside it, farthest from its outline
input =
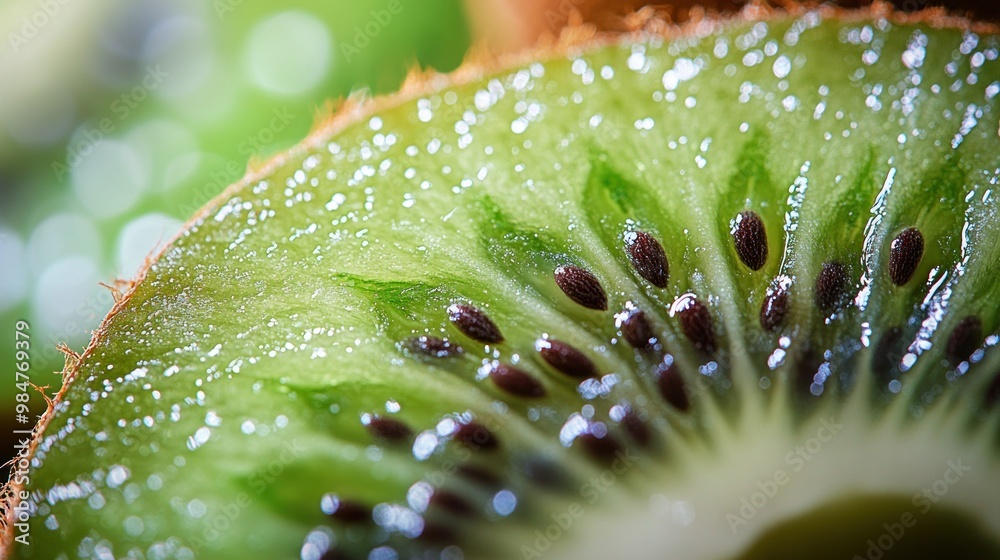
(120, 118)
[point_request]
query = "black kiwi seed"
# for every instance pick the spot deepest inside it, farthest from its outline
(905, 253)
(348, 511)
(565, 358)
(831, 285)
(671, 384)
(433, 346)
(774, 308)
(807, 366)
(599, 444)
(480, 475)
(474, 323)
(750, 239)
(547, 473)
(437, 533)
(451, 502)
(581, 286)
(388, 429)
(636, 328)
(965, 339)
(887, 354)
(516, 381)
(475, 436)
(696, 322)
(637, 429)
(648, 258)
(993, 392)
(334, 554)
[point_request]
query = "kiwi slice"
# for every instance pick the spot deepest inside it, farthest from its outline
(720, 293)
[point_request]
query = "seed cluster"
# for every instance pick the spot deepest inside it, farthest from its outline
(595, 438)
(584, 288)
(649, 260)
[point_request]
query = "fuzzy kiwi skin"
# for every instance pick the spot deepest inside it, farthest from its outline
(403, 436)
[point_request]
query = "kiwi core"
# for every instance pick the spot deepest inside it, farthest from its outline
(876, 528)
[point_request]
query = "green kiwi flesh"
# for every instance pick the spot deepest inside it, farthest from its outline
(727, 294)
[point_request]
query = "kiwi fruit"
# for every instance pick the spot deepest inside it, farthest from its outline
(726, 291)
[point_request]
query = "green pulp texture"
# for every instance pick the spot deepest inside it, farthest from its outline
(222, 408)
